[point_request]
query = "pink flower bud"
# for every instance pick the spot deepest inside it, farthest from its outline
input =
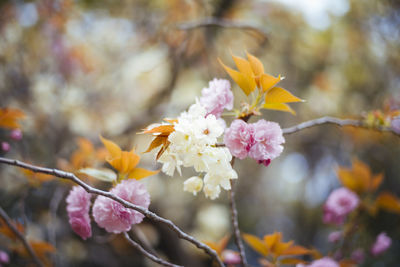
(335, 236)
(4, 258)
(324, 262)
(231, 257)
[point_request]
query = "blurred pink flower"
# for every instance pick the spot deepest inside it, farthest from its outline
(16, 134)
(340, 202)
(324, 262)
(4, 258)
(267, 141)
(5, 146)
(78, 207)
(239, 138)
(113, 216)
(217, 97)
(335, 236)
(231, 257)
(382, 243)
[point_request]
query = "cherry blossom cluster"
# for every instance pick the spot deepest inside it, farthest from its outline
(193, 144)
(261, 141)
(107, 213)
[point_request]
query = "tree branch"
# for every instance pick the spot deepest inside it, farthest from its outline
(223, 23)
(148, 254)
(151, 215)
(235, 225)
(337, 122)
(21, 237)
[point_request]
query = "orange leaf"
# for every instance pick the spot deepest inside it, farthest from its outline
(5, 230)
(256, 65)
(280, 95)
(158, 141)
(139, 173)
(280, 107)
(126, 162)
(376, 181)
(246, 83)
(389, 202)
(296, 250)
(113, 149)
(256, 243)
(269, 81)
(160, 129)
(9, 118)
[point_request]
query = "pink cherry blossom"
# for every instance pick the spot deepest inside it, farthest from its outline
(382, 243)
(324, 262)
(5, 146)
(267, 141)
(239, 138)
(358, 256)
(340, 202)
(78, 207)
(217, 97)
(113, 216)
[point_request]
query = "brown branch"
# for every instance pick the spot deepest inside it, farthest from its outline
(223, 23)
(151, 215)
(235, 222)
(148, 254)
(21, 237)
(337, 122)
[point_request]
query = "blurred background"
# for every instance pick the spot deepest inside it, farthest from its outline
(79, 69)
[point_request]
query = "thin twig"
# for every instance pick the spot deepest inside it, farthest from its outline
(21, 237)
(151, 215)
(148, 254)
(235, 222)
(223, 23)
(337, 122)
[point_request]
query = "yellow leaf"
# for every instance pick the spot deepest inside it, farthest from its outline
(376, 181)
(280, 95)
(272, 239)
(256, 243)
(389, 202)
(113, 149)
(256, 65)
(296, 250)
(139, 173)
(269, 81)
(243, 66)
(346, 178)
(126, 162)
(246, 83)
(280, 107)
(9, 118)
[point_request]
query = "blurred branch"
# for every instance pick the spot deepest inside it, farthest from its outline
(148, 254)
(151, 215)
(222, 23)
(235, 224)
(20, 236)
(337, 122)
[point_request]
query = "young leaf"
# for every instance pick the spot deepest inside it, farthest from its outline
(256, 243)
(256, 65)
(140, 173)
(246, 83)
(105, 175)
(269, 81)
(280, 95)
(243, 66)
(9, 118)
(389, 202)
(280, 107)
(113, 149)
